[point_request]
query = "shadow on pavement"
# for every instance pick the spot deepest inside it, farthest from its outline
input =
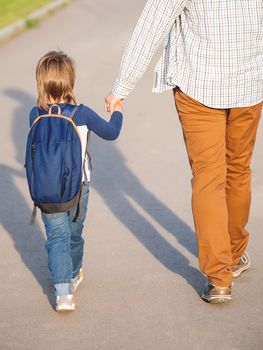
(29, 240)
(118, 185)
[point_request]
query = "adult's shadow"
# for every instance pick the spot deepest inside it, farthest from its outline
(15, 212)
(119, 187)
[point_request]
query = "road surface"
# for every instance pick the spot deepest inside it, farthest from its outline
(142, 283)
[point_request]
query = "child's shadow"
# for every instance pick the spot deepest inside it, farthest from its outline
(120, 188)
(15, 213)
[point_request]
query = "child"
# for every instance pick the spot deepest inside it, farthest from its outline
(55, 75)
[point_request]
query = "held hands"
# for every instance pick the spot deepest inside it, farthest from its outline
(112, 104)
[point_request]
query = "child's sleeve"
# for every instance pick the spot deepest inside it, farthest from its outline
(106, 130)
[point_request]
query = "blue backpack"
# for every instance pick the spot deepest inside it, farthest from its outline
(54, 162)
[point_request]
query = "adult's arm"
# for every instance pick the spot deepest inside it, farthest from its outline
(154, 24)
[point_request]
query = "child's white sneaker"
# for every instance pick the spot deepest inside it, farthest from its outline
(65, 303)
(77, 280)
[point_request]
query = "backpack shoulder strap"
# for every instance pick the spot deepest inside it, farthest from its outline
(33, 215)
(87, 154)
(70, 112)
(73, 112)
(87, 150)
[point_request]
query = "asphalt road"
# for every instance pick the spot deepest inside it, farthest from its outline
(142, 283)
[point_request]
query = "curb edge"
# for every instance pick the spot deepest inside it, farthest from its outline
(21, 25)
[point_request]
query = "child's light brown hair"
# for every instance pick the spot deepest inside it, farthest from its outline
(55, 75)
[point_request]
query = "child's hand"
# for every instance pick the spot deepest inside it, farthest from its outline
(117, 107)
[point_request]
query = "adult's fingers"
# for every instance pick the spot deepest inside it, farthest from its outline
(108, 102)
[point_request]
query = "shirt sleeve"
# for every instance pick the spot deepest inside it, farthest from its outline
(154, 24)
(106, 130)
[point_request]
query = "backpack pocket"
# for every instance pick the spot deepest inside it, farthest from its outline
(48, 168)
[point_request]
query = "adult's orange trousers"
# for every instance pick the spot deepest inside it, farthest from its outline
(219, 144)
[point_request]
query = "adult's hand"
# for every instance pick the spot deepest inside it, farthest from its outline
(110, 102)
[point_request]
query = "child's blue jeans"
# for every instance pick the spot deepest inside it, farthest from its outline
(65, 244)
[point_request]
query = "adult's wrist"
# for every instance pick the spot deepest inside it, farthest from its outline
(120, 91)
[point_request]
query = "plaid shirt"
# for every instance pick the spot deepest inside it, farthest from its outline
(213, 50)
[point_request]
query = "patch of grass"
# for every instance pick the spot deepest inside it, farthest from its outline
(13, 10)
(32, 22)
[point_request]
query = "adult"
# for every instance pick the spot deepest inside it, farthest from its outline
(213, 61)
